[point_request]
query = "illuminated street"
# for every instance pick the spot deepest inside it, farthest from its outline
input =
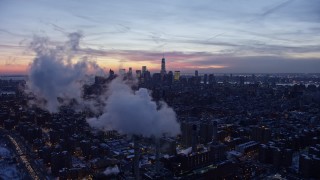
(24, 158)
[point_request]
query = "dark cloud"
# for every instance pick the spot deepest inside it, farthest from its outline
(261, 64)
(142, 55)
(277, 59)
(271, 49)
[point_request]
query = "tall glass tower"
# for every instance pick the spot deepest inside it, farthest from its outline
(163, 66)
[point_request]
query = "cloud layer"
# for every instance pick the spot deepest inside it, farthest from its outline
(283, 29)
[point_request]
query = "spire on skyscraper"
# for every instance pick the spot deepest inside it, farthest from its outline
(163, 65)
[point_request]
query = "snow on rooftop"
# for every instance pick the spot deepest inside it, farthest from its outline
(111, 170)
(8, 170)
(166, 156)
(185, 151)
(4, 152)
(130, 156)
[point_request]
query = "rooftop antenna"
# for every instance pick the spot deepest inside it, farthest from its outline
(162, 53)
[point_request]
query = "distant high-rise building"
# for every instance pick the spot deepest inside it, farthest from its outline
(196, 73)
(163, 66)
(241, 80)
(138, 74)
(261, 134)
(189, 131)
(206, 131)
(205, 79)
(253, 78)
(146, 76)
(170, 77)
(218, 152)
(144, 69)
(122, 72)
(215, 131)
(168, 146)
(156, 77)
(130, 70)
(111, 73)
(225, 79)
(130, 73)
(211, 79)
(176, 75)
(194, 138)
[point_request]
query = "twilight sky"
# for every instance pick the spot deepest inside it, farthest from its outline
(212, 36)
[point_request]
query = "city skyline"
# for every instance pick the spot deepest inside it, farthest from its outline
(170, 89)
(212, 37)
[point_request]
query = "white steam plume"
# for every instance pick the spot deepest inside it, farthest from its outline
(135, 113)
(52, 73)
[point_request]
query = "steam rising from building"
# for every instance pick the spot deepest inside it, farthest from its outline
(55, 78)
(134, 113)
(54, 75)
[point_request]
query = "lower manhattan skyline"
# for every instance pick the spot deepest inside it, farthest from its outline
(209, 36)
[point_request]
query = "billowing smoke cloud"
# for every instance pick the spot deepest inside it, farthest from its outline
(134, 113)
(53, 75)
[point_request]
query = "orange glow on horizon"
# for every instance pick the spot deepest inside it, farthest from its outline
(13, 69)
(23, 69)
(207, 67)
(116, 63)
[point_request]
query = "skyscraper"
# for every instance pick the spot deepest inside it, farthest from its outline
(111, 73)
(130, 73)
(170, 77)
(138, 74)
(176, 75)
(205, 79)
(144, 69)
(212, 79)
(130, 70)
(122, 72)
(206, 131)
(189, 131)
(163, 66)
